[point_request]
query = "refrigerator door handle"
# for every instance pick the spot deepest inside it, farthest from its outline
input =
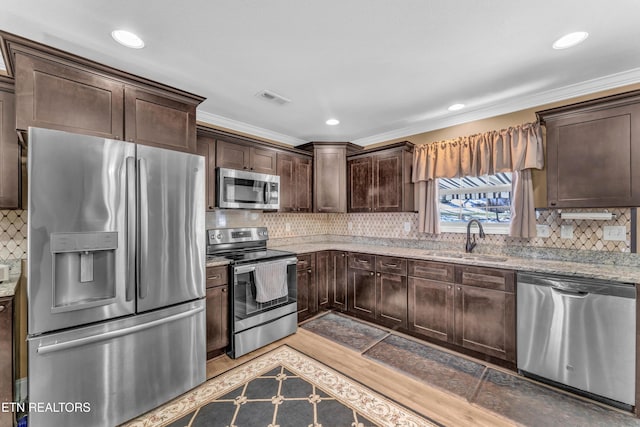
(131, 227)
(115, 333)
(143, 227)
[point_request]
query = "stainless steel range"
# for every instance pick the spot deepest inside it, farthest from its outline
(263, 298)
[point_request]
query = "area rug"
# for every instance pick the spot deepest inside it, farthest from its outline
(280, 389)
(346, 331)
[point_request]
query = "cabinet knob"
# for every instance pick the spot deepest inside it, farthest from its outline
(224, 290)
(117, 137)
(244, 167)
(210, 207)
(379, 274)
(459, 288)
(309, 271)
(1, 308)
(342, 255)
(371, 273)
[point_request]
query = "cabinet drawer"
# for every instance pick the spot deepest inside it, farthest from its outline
(488, 278)
(431, 270)
(305, 261)
(362, 261)
(217, 276)
(385, 264)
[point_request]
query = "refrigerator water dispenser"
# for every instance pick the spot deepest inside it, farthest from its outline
(84, 269)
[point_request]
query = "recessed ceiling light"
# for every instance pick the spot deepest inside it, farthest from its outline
(570, 40)
(128, 39)
(455, 107)
(333, 122)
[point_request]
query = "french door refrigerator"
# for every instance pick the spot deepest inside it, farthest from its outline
(116, 280)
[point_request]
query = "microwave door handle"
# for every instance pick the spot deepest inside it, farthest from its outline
(266, 193)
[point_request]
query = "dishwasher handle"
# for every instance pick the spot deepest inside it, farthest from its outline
(570, 294)
(576, 284)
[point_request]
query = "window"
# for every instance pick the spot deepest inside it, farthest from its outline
(485, 198)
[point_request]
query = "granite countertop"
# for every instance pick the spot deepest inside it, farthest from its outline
(614, 272)
(8, 287)
(217, 261)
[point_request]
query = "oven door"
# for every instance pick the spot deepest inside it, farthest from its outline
(247, 190)
(249, 307)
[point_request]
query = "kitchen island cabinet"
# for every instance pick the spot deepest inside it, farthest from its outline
(217, 297)
(6, 357)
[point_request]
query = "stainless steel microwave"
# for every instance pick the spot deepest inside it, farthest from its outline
(238, 189)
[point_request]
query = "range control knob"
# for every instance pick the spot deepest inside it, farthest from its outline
(218, 236)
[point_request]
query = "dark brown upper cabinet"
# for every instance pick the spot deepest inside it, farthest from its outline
(593, 153)
(9, 148)
(380, 181)
(246, 156)
(206, 145)
(330, 174)
(295, 182)
(58, 90)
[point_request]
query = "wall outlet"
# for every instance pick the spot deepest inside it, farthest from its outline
(566, 231)
(543, 230)
(287, 226)
(407, 227)
(614, 232)
(350, 225)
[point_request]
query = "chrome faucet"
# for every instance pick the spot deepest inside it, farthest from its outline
(470, 245)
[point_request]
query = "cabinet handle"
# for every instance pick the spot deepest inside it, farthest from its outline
(309, 271)
(214, 277)
(389, 265)
(362, 261)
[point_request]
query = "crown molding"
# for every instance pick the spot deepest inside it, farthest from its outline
(214, 119)
(611, 81)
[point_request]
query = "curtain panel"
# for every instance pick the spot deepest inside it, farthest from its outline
(515, 149)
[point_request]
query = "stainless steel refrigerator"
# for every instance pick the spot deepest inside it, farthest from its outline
(116, 284)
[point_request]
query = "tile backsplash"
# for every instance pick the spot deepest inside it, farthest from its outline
(587, 235)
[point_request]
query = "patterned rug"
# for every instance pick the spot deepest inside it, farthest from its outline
(346, 331)
(280, 389)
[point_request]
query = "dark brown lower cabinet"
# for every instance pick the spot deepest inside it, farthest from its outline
(361, 296)
(338, 281)
(217, 297)
(431, 308)
(323, 278)
(6, 358)
(307, 288)
(391, 300)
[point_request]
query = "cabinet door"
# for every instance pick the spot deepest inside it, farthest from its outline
(338, 290)
(593, 158)
(151, 119)
(360, 185)
(307, 290)
(303, 184)
(391, 300)
(58, 96)
(6, 358)
(262, 160)
(9, 153)
(323, 277)
(387, 182)
(430, 308)
(232, 156)
(207, 148)
(217, 320)
(485, 321)
(361, 298)
(330, 179)
(288, 189)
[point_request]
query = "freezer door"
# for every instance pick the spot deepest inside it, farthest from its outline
(171, 227)
(80, 264)
(109, 373)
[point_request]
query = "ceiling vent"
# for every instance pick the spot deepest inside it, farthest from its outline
(273, 97)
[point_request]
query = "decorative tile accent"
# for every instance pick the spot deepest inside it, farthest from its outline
(13, 234)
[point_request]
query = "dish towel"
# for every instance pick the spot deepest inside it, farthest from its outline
(271, 281)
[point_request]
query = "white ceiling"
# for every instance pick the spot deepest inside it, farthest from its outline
(385, 69)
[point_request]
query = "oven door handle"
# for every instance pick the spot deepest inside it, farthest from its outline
(241, 269)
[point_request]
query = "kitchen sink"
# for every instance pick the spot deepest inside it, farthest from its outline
(475, 257)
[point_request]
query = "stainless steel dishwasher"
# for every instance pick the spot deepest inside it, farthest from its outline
(579, 333)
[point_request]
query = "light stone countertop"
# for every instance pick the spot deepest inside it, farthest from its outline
(8, 287)
(217, 261)
(617, 273)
